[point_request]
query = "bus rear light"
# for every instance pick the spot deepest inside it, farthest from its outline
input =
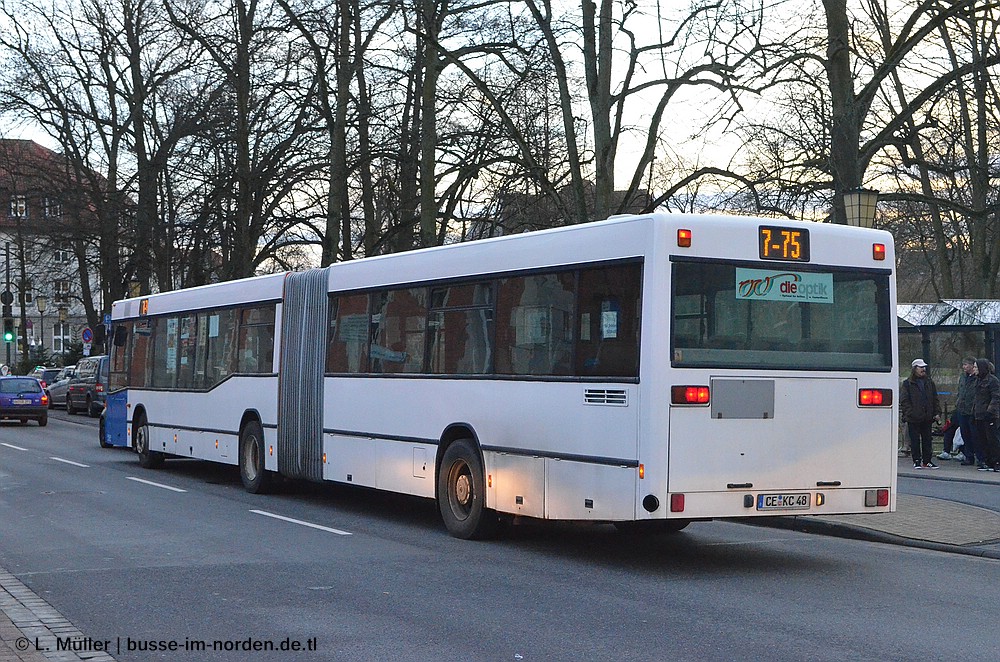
(878, 252)
(684, 238)
(99, 387)
(677, 503)
(878, 497)
(689, 395)
(874, 397)
(820, 498)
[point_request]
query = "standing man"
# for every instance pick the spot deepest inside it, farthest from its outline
(919, 406)
(963, 412)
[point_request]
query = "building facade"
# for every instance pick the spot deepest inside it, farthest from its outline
(44, 251)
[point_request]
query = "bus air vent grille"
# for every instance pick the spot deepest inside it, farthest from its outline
(601, 396)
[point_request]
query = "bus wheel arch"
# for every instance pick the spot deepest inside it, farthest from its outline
(461, 486)
(256, 479)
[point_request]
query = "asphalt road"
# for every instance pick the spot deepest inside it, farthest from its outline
(189, 557)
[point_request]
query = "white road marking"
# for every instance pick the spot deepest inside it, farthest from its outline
(17, 448)
(149, 482)
(298, 521)
(75, 464)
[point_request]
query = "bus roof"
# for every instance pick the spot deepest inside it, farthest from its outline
(619, 237)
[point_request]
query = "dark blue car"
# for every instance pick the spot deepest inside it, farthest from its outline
(22, 398)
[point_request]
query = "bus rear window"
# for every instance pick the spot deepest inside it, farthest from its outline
(747, 316)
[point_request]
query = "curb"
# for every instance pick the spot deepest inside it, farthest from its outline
(823, 527)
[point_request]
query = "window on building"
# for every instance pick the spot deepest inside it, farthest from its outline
(52, 208)
(19, 206)
(60, 337)
(60, 291)
(64, 253)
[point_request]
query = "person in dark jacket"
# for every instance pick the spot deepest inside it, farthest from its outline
(963, 411)
(986, 411)
(919, 406)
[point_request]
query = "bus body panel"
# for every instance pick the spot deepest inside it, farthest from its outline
(815, 434)
(189, 424)
(374, 445)
(115, 416)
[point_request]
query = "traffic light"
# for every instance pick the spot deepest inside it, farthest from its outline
(8, 330)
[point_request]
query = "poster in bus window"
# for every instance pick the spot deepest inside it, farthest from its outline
(171, 345)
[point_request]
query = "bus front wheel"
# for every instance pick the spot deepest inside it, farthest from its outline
(148, 459)
(461, 493)
(252, 472)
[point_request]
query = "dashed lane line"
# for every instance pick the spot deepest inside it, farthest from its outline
(149, 482)
(75, 464)
(17, 448)
(298, 521)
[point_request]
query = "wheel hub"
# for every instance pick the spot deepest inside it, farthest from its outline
(463, 490)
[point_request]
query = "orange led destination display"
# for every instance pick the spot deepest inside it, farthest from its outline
(776, 243)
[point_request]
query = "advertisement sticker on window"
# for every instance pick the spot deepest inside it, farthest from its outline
(767, 285)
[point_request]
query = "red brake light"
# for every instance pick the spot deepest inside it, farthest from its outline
(874, 397)
(677, 503)
(878, 252)
(45, 399)
(690, 395)
(684, 238)
(99, 387)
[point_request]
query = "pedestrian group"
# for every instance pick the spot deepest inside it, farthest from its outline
(977, 410)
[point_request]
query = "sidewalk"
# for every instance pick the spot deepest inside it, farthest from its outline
(28, 623)
(919, 521)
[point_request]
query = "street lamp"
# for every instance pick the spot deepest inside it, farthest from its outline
(860, 206)
(41, 301)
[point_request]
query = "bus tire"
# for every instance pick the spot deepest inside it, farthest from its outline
(461, 493)
(255, 477)
(102, 430)
(140, 434)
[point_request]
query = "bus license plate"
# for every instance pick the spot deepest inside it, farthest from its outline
(783, 501)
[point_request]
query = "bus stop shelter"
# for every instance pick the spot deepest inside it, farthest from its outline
(945, 332)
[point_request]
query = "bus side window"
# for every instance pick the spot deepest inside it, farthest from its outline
(608, 315)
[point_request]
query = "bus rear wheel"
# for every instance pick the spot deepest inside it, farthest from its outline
(255, 477)
(140, 434)
(461, 493)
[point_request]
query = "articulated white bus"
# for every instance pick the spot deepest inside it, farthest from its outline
(644, 370)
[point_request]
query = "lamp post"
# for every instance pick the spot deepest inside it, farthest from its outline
(860, 204)
(41, 301)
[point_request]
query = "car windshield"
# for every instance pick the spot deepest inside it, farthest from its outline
(20, 386)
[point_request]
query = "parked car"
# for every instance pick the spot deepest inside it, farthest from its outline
(87, 390)
(23, 398)
(45, 375)
(60, 386)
